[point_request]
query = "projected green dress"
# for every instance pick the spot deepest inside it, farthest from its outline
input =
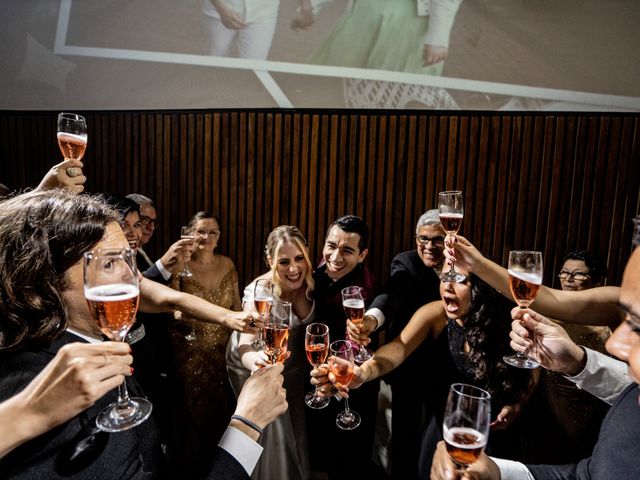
(387, 35)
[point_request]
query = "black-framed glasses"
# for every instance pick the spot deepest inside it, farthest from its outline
(580, 276)
(144, 220)
(435, 241)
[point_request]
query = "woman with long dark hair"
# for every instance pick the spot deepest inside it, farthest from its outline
(468, 334)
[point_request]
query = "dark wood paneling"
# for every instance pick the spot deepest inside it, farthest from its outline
(554, 182)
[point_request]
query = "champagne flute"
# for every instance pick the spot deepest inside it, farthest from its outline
(276, 331)
(316, 345)
(525, 278)
(72, 138)
(466, 423)
(341, 365)
(186, 233)
(353, 305)
(450, 207)
(263, 299)
(112, 291)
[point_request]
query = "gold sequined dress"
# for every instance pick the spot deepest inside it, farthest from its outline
(202, 399)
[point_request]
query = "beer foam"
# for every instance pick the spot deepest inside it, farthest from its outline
(353, 303)
(114, 292)
(70, 137)
(450, 432)
(526, 277)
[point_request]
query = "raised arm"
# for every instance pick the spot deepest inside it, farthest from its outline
(158, 298)
(595, 306)
(428, 321)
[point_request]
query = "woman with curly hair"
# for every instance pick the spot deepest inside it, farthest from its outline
(468, 332)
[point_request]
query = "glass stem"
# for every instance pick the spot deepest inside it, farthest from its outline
(123, 397)
(524, 355)
(346, 406)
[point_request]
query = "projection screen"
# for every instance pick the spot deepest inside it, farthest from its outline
(435, 54)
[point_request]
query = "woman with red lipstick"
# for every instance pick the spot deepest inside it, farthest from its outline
(468, 333)
(290, 270)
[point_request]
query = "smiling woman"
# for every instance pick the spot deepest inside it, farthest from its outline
(285, 441)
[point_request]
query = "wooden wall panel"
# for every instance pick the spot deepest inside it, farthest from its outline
(555, 182)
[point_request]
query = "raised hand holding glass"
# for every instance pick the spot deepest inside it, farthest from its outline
(316, 345)
(451, 212)
(112, 291)
(525, 279)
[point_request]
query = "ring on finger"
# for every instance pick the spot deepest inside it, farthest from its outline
(252, 323)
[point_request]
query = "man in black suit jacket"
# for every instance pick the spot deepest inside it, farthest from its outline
(44, 236)
(414, 282)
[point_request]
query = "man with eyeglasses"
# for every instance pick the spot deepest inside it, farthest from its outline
(414, 281)
(172, 261)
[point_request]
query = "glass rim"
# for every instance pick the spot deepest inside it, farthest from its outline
(108, 252)
(450, 192)
(350, 290)
(348, 345)
(481, 394)
(525, 251)
(71, 115)
(324, 327)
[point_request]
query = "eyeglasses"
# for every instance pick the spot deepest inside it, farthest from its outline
(144, 220)
(212, 233)
(435, 241)
(579, 276)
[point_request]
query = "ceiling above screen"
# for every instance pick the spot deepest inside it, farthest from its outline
(435, 54)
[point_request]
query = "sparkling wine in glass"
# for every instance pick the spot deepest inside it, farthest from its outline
(186, 233)
(316, 346)
(263, 299)
(341, 365)
(451, 211)
(276, 331)
(72, 138)
(466, 423)
(112, 291)
(353, 305)
(525, 279)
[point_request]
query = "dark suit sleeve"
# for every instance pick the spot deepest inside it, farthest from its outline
(397, 294)
(152, 273)
(225, 467)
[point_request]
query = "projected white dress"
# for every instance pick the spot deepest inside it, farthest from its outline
(389, 35)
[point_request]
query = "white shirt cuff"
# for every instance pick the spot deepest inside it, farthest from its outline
(510, 470)
(166, 274)
(377, 314)
(602, 376)
(242, 448)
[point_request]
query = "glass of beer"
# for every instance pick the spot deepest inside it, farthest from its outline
(112, 291)
(72, 137)
(451, 212)
(276, 331)
(466, 423)
(316, 346)
(525, 279)
(186, 233)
